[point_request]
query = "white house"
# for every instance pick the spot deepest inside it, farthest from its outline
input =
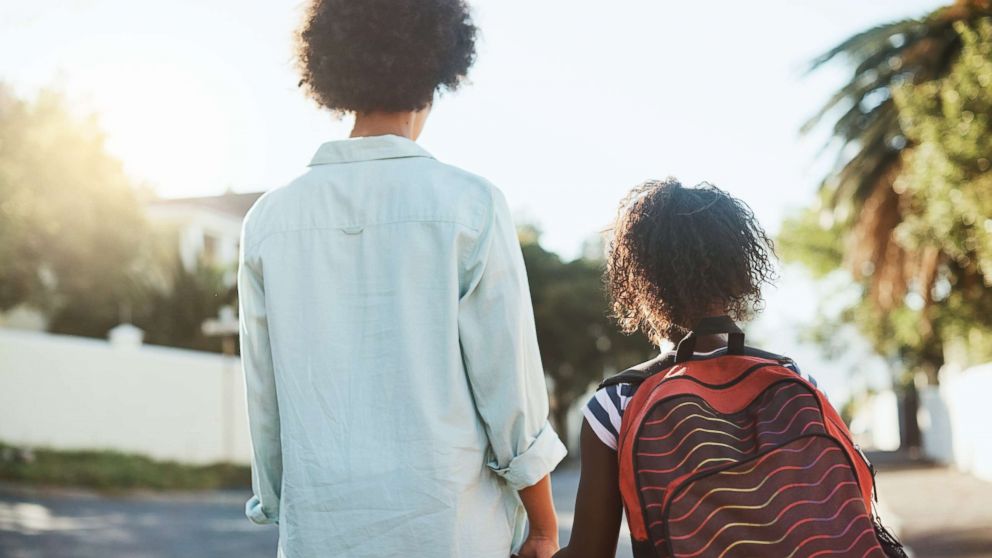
(208, 228)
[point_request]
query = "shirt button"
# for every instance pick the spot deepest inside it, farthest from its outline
(352, 230)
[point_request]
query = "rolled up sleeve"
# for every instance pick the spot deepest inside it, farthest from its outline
(499, 348)
(526, 468)
(257, 514)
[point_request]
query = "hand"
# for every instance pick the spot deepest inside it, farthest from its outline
(542, 535)
(538, 546)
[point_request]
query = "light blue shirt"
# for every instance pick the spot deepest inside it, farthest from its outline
(396, 397)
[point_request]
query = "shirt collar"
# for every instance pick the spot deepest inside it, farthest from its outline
(369, 148)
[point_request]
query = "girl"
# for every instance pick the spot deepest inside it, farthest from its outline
(678, 255)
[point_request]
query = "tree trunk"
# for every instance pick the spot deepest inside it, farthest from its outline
(928, 364)
(912, 438)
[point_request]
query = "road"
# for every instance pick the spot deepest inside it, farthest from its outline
(77, 524)
(564, 481)
(940, 513)
(61, 523)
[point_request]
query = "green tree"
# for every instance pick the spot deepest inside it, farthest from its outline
(173, 313)
(876, 205)
(861, 208)
(70, 224)
(74, 243)
(946, 185)
(579, 343)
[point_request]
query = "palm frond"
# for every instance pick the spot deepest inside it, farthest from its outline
(855, 178)
(865, 42)
(853, 92)
(886, 55)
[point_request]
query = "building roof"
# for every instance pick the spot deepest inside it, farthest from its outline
(230, 203)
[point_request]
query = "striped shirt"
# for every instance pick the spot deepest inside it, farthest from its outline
(605, 409)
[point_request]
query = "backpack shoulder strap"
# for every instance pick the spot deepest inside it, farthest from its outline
(780, 360)
(638, 374)
(783, 360)
(629, 376)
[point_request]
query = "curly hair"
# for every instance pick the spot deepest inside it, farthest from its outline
(384, 55)
(677, 253)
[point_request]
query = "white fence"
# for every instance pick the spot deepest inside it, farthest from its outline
(67, 392)
(955, 419)
(876, 426)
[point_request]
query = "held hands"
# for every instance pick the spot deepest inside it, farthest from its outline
(538, 545)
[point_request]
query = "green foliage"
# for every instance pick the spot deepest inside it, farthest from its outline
(947, 186)
(579, 343)
(812, 239)
(916, 228)
(74, 242)
(112, 471)
(173, 315)
(864, 119)
(70, 225)
(947, 178)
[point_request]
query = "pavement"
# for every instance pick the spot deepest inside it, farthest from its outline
(938, 512)
(60, 523)
(564, 483)
(73, 523)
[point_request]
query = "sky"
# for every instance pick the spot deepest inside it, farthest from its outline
(571, 103)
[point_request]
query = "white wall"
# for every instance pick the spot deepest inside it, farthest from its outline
(936, 428)
(75, 393)
(956, 422)
(876, 425)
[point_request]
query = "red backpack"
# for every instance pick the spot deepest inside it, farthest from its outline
(737, 455)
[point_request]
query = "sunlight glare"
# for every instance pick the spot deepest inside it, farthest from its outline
(173, 118)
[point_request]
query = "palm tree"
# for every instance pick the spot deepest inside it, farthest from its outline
(861, 192)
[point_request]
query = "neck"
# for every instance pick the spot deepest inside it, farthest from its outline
(707, 343)
(403, 124)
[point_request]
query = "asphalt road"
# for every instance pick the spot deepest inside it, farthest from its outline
(940, 512)
(60, 523)
(77, 524)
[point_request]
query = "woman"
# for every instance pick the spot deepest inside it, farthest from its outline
(395, 393)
